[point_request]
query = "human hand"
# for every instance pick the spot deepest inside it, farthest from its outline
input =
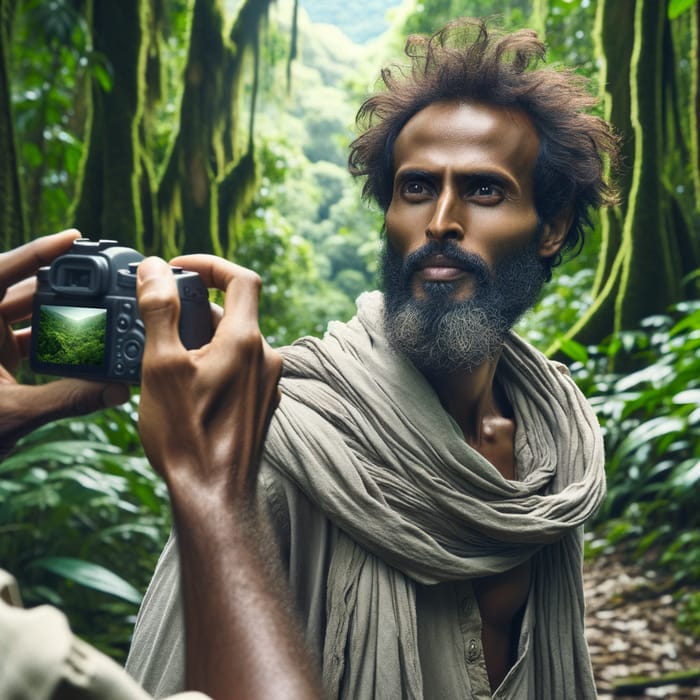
(204, 413)
(23, 408)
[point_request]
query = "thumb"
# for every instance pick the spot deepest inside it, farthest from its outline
(159, 303)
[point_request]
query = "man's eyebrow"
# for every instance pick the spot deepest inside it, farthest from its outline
(413, 172)
(494, 176)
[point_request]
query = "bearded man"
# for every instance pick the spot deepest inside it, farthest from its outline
(427, 473)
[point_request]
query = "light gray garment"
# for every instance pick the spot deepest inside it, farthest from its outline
(377, 498)
(41, 659)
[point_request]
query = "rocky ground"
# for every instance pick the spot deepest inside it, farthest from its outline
(631, 629)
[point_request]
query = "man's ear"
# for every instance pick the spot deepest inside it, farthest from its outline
(554, 234)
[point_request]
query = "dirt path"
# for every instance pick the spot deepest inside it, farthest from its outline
(631, 630)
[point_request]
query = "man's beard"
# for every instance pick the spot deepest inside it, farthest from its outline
(439, 334)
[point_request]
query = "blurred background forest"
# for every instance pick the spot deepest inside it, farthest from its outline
(223, 126)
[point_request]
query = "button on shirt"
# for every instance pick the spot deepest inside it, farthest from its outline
(449, 642)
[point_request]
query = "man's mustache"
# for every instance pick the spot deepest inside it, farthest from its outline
(469, 262)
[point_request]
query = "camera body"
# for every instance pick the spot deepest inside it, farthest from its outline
(85, 319)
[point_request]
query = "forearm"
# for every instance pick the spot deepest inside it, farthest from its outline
(241, 639)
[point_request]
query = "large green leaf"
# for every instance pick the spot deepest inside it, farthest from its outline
(646, 433)
(687, 396)
(687, 473)
(90, 575)
(574, 350)
(60, 451)
(653, 374)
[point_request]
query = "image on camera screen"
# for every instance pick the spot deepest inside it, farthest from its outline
(71, 335)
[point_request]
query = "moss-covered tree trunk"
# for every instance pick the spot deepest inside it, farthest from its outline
(209, 177)
(187, 191)
(648, 245)
(12, 215)
(109, 200)
(236, 188)
(694, 122)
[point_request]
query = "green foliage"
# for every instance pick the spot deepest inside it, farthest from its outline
(568, 30)
(650, 415)
(83, 518)
(649, 410)
(689, 613)
(563, 300)
(299, 256)
(677, 7)
(52, 59)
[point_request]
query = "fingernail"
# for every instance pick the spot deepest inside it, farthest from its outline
(115, 394)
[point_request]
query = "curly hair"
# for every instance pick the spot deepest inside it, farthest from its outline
(470, 62)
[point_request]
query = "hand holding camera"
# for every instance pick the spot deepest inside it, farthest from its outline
(86, 320)
(23, 408)
(221, 397)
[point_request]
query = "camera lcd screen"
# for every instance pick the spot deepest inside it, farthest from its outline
(71, 335)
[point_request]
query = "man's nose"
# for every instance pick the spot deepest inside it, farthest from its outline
(447, 219)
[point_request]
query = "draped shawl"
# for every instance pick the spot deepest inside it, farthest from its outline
(364, 436)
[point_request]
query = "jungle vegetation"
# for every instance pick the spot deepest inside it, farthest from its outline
(204, 125)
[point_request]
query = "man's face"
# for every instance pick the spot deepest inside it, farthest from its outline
(464, 249)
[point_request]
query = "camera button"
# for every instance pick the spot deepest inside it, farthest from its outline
(123, 323)
(119, 368)
(132, 349)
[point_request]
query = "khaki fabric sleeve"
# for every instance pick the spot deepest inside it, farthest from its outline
(41, 659)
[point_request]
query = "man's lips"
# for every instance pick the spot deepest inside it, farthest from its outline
(440, 268)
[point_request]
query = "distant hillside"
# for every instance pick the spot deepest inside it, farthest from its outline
(361, 20)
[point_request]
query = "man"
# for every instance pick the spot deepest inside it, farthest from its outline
(184, 401)
(427, 472)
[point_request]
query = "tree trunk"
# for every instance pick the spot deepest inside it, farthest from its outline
(13, 229)
(109, 200)
(647, 245)
(209, 178)
(187, 191)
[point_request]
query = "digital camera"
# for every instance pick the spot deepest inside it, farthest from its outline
(85, 318)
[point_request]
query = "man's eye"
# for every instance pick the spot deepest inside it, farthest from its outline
(414, 187)
(489, 191)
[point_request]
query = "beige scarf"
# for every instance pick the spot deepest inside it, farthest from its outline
(363, 434)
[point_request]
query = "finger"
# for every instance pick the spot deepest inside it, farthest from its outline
(24, 261)
(17, 304)
(159, 305)
(214, 271)
(27, 407)
(240, 318)
(242, 285)
(70, 397)
(14, 346)
(23, 339)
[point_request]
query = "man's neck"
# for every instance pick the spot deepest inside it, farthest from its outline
(471, 398)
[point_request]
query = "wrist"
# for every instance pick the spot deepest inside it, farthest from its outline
(212, 508)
